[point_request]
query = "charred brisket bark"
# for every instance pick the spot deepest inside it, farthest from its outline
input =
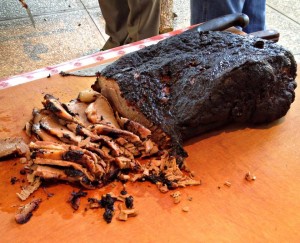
(196, 82)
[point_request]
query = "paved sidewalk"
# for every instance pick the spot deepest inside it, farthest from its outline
(74, 28)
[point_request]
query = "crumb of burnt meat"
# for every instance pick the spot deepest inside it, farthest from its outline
(49, 75)
(66, 136)
(108, 215)
(73, 155)
(33, 155)
(23, 171)
(13, 180)
(227, 183)
(64, 74)
(107, 202)
(74, 199)
(78, 130)
(160, 178)
(129, 202)
(123, 192)
(185, 209)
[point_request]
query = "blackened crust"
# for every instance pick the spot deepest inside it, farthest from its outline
(192, 83)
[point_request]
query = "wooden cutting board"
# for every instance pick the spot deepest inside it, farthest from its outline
(265, 210)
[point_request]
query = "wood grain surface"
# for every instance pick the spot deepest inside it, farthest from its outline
(265, 210)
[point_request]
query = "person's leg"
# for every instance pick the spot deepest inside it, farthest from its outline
(143, 21)
(256, 11)
(115, 14)
(203, 10)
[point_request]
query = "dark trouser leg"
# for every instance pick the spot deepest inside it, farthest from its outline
(256, 10)
(203, 10)
(115, 13)
(143, 21)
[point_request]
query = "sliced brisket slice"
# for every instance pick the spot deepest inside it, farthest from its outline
(196, 82)
(14, 146)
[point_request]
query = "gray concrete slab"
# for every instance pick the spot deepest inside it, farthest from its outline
(56, 39)
(182, 10)
(90, 3)
(288, 29)
(98, 19)
(12, 9)
(289, 8)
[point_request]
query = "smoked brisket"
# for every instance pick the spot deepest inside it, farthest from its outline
(196, 82)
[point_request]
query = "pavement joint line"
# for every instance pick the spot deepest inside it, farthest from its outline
(86, 9)
(283, 14)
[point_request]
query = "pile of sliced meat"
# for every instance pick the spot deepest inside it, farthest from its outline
(85, 142)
